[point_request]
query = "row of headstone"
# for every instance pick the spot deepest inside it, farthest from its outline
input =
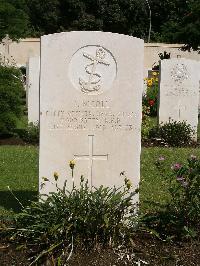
(91, 86)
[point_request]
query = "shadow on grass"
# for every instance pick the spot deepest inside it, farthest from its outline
(8, 201)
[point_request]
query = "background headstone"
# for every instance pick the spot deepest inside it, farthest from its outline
(90, 107)
(32, 89)
(179, 91)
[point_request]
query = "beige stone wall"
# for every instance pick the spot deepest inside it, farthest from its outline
(30, 47)
(152, 50)
(22, 50)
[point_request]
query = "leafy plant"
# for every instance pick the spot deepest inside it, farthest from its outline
(146, 123)
(173, 133)
(180, 216)
(150, 98)
(30, 134)
(14, 19)
(81, 217)
(164, 55)
(11, 93)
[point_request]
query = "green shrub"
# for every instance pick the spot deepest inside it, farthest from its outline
(29, 134)
(82, 217)
(146, 123)
(180, 216)
(11, 92)
(173, 133)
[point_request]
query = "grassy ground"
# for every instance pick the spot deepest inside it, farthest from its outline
(153, 186)
(19, 171)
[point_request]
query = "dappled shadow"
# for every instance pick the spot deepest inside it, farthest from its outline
(8, 201)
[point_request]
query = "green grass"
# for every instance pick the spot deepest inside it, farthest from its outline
(19, 171)
(153, 186)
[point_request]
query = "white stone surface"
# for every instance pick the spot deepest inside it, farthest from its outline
(179, 91)
(90, 108)
(32, 89)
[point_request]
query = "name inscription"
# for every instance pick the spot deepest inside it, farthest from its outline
(181, 91)
(90, 115)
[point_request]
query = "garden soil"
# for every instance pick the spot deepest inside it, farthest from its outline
(145, 248)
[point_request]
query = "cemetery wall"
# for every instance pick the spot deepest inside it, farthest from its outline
(30, 47)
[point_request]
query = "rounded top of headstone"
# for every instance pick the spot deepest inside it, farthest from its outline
(87, 33)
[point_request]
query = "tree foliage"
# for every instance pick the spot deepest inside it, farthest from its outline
(122, 16)
(173, 21)
(11, 92)
(180, 24)
(13, 19)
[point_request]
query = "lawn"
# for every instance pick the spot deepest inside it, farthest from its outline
(19, 171)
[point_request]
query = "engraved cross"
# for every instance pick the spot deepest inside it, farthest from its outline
(179, 108)
(90, 157)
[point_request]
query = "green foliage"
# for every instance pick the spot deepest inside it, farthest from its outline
(173, 21)
(13, 19)
(30, 134)
(180, 216)
(80, 217)
(121, 16)
(184, 28)
(11, 92)
(164, 55)
(150, 98)
(44, 16)
(173, 133)
(147, 123)
(189, 30)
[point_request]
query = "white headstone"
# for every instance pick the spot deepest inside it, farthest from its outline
(90, 107)
(32, 89)
(179, 91)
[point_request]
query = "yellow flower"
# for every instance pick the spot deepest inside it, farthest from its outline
(149, 82)
(55, 175)
(129, 184)
(154, 73)
(72, 164)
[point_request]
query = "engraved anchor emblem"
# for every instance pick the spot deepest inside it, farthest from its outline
(94, 77)
(179, 73)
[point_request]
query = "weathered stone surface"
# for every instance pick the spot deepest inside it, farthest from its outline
(179, 91)
(32, 89)
(91, 101)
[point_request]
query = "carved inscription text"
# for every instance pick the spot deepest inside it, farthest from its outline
(90, 115)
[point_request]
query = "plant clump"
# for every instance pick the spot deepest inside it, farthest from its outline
(150, 98)
(11, 95)
(30, 134)
(173, 133)
(81, 217)
(179, 217)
